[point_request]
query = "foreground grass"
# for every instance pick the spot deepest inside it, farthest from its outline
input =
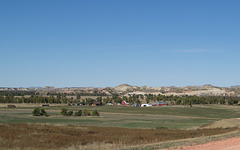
(178, 144)
(42, 136)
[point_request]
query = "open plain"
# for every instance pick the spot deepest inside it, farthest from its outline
(117, 127)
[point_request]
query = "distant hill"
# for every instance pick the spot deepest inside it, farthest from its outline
(126, 89)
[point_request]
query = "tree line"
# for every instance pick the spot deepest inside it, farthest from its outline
(35, 99)
(131, 99)
(18, 93)
(189, 100)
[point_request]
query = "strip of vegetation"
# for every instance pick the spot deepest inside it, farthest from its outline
(17, 93)
(65, 112)
(178, 144)
(131, 99)
(66, 136)
(39, 112)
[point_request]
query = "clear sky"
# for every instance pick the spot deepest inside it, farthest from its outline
(100, 43)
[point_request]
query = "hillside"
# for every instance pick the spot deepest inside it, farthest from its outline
(126, 89)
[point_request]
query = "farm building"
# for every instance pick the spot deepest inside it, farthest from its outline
(109, 104)
(125, 103)
(146, 105)
(97, 104)
(11, 106)
(160, 104)
(44, 105)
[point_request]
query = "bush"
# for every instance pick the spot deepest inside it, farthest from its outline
(69, 113)
(39, 112)
(36, 111)
(43, 112)
(78, 113)
(63, 111)
(86, 112)
(95, 113)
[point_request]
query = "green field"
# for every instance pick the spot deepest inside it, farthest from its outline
(128, 117)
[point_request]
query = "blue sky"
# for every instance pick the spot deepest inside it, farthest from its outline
(106, 43)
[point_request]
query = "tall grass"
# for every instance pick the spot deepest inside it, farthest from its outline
(42, 136)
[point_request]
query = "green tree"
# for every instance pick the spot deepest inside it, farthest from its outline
(95, 113)
(69, 113)
(78, 113)
(39, 112)
(99, 99)
(147, 100)
(36, 111)
(78, 96)
(86, 112)
(43, 112)
(118, 100)
(63, 111)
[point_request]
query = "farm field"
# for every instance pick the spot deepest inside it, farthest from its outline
(144, 125)
(128, 117)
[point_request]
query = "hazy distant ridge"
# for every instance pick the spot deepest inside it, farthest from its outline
(126, 89)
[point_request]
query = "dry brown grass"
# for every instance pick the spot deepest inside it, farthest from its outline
(224, 123)
(42, 136)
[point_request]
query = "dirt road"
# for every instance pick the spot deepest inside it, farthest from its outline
(228, 144)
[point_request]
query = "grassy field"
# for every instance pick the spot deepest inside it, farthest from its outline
(127, 117)
(111, 128)
(38, 135)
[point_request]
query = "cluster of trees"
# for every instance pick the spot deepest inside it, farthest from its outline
(17, 93)
(174, 100)
(65, 112)
(35, 99)
(115, 98)
(189, 100)
(39, 112)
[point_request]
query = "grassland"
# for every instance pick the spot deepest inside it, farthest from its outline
(36, 135)
(127, 117)
(115, 120)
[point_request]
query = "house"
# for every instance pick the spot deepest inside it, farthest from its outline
(146, 105)
(11, 106)
(125, 103)
(109, 104)
(44, 105)
(160, 104)
(97, 104)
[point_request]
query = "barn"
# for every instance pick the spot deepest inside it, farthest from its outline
(160, 104)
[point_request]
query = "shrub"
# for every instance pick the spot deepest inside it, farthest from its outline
(78, 113)
(39, 112)
(63, 111)
(86, 112)
(95, 113)
(43, 112)
(69, 113)
(36, 111)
